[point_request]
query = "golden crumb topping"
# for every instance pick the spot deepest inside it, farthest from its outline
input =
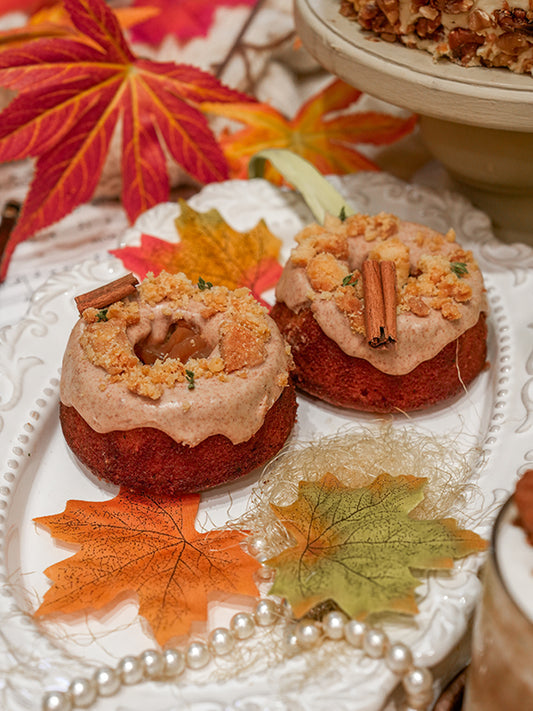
(106, 344)
(243, 339)
(373, 227)
(431, 269)
(325, 272)
(394, 250)
(350, 304)
(243, 332)
(440, 284)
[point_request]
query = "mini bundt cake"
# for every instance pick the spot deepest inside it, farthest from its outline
(381, 314)
(176, 388)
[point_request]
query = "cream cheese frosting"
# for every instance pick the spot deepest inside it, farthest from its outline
(435, 305)
(227, 393)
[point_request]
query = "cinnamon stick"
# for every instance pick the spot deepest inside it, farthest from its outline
(388, 283)
(379, 290)
(107, 294)
(374, 312)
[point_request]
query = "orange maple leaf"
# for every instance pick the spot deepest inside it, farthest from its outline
(326, 139)
(149, 546)
(211, 250)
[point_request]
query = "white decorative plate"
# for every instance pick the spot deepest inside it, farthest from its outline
(38, 475)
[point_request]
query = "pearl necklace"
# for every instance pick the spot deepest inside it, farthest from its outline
(170, 664)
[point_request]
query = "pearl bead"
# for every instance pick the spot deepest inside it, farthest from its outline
(152, 663)
(221, 641)
(257, 547)
(107, 681)
(354, 632)
(290, 641)
(82, 692)
(307, 634)
(264, 573)
(375, 643)
(173, 662)
(130, 670)
(333, 624)
(266, 613)
(286, 609)
(242, 625)
(418, 685)
(56, 701)
(419, 679)
(197, 655)
(399, 658)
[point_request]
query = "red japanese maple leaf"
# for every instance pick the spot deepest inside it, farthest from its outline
(27, 6)
(183, 18)
(72, 94)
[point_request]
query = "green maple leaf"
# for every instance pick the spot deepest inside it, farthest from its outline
(358, 546)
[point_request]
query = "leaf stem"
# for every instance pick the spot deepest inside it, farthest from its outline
(236, 44)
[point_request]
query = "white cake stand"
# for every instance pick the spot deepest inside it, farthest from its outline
(477, 121)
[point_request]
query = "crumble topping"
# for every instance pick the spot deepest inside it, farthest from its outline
(242, 334)
(432, 271)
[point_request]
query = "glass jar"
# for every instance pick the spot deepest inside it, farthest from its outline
(500, 676)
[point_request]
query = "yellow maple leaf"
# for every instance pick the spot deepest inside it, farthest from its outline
(211, 250)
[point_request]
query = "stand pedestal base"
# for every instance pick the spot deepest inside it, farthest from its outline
(493, 168)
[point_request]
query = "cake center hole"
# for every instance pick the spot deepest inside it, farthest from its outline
(182, 341)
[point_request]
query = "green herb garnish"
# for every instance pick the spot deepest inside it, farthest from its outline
(203, 284)
(342, 214)
(189, 377)
(459, 268)
(102, 315)
(349, 280)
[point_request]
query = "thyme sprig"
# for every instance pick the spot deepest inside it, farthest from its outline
(350, 280)
(459, 268)
(203, 284)
(189, 377)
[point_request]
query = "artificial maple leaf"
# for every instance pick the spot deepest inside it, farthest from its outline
(71, 97)
(149, 546)
(211, 249)
(325, 138)
(184, 19)
(358, 546)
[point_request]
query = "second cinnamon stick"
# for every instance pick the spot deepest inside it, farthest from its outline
(374, 312)
(379, 291)
(388, 284)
